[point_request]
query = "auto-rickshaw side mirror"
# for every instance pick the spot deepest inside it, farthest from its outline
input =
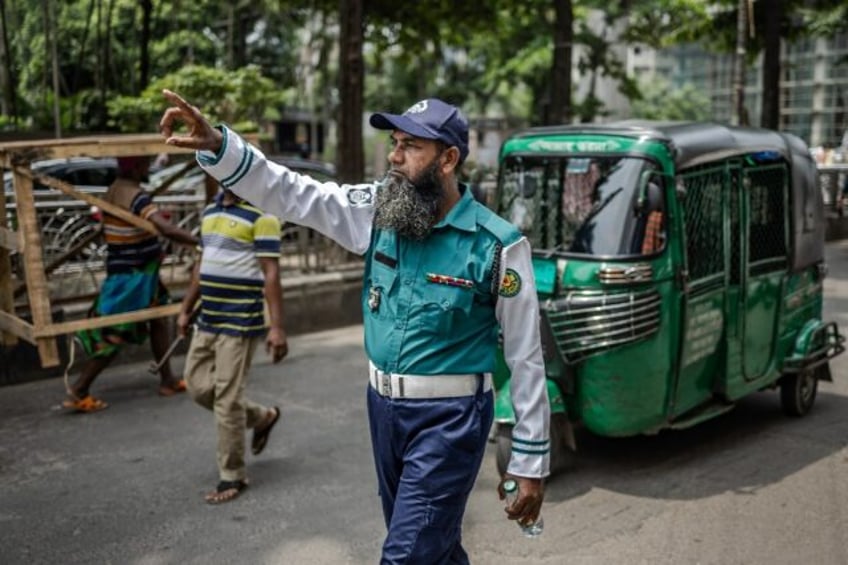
(650, 194)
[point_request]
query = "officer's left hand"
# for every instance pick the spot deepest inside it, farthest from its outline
(201, 134)
(276, 344)
(528, 505)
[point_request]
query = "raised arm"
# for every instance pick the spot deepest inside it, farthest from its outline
(341, 212)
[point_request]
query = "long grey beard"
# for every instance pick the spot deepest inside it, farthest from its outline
(407, 207)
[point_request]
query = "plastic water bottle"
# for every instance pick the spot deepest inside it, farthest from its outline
(529, 530)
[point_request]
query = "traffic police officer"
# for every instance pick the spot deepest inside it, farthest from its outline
(435, 303)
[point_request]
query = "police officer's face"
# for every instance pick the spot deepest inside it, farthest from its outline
(409, 199)
(412, 155)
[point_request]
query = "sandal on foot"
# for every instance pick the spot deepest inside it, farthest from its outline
(225, 492)
(261, 435)
(175, 387)
(85, 405)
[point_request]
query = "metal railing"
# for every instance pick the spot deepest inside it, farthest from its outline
(70, 234)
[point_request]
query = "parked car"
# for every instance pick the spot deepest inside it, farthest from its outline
(84, 172)
(319, 170)
(193, 179)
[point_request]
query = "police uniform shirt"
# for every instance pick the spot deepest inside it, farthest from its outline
(429, 307)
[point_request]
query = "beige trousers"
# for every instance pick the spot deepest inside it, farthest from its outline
(216, 373)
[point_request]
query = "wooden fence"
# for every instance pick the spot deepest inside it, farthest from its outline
(27, 238)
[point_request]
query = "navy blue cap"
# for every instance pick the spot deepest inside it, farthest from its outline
(429, 119)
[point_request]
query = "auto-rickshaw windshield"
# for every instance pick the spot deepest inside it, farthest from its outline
(606, 206)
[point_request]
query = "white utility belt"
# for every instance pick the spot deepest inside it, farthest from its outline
(426, 386)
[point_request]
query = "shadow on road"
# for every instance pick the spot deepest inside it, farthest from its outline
(742, 451)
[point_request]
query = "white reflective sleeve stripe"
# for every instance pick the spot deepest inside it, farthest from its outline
(327, 207)
(518, 316)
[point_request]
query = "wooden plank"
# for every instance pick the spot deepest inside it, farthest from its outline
(71, 190)
(25, 152)
(7, 301)
(38, 291)
(10, 323)
(8, 239)
(103, 321)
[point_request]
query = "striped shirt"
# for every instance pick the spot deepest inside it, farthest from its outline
(233, 238)
(129, 247)
(653, 241)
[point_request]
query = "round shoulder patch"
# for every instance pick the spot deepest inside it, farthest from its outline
(359, 197)
(511, 283)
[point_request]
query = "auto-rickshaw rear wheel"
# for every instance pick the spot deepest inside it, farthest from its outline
(562, 455)
(503, 439)
(798, 391)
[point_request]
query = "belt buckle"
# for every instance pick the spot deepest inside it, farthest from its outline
(385, 384)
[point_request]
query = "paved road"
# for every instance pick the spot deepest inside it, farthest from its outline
(125, 486)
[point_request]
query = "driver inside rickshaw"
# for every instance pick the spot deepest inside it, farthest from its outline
(651, 222)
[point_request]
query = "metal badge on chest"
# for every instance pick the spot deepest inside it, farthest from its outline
(374, 298)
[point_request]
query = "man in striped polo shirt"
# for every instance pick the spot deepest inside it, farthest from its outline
(238, 271)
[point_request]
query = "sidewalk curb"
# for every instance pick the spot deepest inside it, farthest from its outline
(312, 303)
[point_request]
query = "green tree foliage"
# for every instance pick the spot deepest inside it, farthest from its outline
(662, 23)
(660, 101)
(490, 56)
(243, 98)
(421, 49)
(100, 54)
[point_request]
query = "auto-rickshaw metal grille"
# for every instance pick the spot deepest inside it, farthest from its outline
(586, 322)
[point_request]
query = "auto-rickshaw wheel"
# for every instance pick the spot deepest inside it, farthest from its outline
(562, 450)
(503, 438)
(798, 392)
(562, 455)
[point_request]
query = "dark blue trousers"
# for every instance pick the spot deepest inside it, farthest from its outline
(427, 454)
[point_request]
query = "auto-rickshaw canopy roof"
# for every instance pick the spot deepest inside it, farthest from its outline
(691, 143)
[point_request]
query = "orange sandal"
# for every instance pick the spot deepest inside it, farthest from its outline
(175, 387)
(85, 405)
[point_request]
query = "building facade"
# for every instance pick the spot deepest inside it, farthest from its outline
(813, 85)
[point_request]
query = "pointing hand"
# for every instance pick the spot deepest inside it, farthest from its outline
(201, 135)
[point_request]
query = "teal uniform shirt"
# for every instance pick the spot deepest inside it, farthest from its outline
(429, 306)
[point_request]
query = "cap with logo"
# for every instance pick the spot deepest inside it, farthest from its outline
(429, 119)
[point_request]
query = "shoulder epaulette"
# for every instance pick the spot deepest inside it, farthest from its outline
(504, 231)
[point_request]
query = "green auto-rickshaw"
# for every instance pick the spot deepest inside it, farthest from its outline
(679, 268)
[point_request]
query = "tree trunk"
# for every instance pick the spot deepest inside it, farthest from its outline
(243, 25)
(351, 156)
(107, 65)
(771, 66)
(8, 107)
(144, 48)
(50, 33)
(81, 64)
(231, 34)
(738, 115)
(560, 104)
(98, 49)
